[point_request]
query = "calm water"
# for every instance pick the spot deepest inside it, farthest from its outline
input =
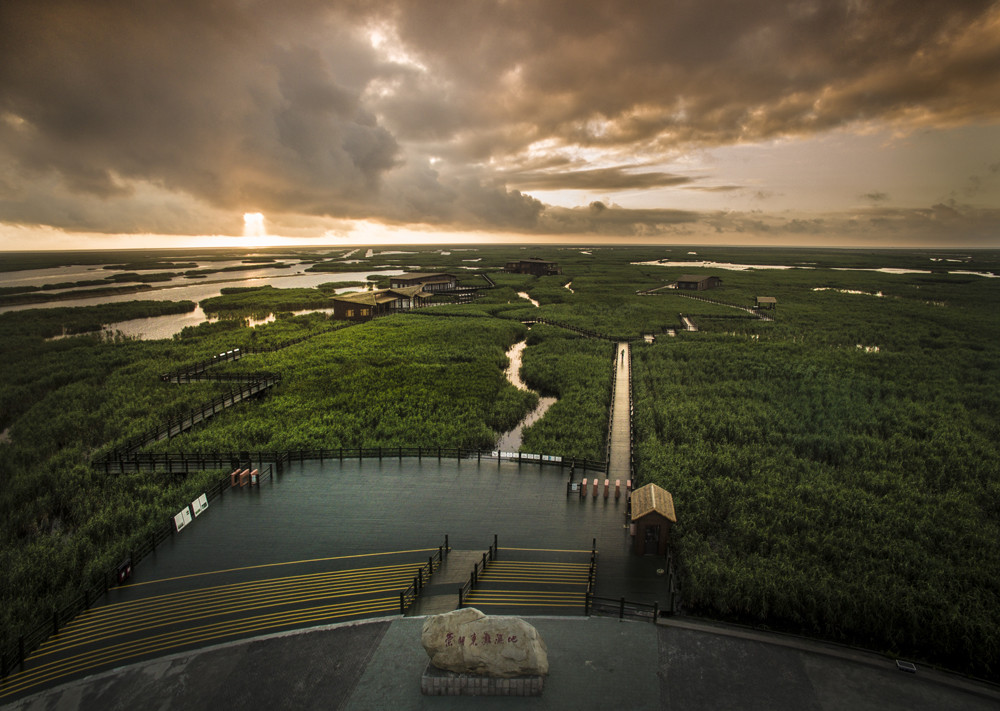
(511, 441)
(318, 510)
(180, 289)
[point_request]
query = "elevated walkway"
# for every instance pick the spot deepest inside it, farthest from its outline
(620, 449)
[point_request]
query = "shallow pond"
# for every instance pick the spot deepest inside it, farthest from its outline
(166, 326)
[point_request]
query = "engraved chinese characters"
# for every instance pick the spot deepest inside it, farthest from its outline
(467, 641)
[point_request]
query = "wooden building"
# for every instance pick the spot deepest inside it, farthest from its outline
(429, 282)
(533, 265)
(696, 282)
(652, 516)
(767, 302)
(367, 305)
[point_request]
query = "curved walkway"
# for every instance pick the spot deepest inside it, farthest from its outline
(594, 663)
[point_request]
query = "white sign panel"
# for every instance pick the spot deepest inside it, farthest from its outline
(199, 504)
(183, 518)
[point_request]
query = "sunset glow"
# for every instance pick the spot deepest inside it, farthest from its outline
(819, 123)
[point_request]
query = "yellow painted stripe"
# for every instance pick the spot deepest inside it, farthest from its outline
(274, 565)
(167, 641)
(543, 550)
(116, 609)
(64, 644)
(534, 580)
(525, 593)
(536, 564)
(209, 597)
(518, 604)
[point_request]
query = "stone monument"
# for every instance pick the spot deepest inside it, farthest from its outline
(474, 654)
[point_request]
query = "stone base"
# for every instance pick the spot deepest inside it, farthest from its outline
(437, 682)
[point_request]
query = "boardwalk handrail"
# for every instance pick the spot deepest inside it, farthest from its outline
(631, 425)
(14, 654)
(184, 462)
(408, 596)
(611, 410)
(177, 425)
(478, 568)
(606, 606)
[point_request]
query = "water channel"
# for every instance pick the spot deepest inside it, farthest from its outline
(511, 441)
(180, 289)
(526, 295)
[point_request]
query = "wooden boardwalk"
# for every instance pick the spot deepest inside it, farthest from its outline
(620, 450)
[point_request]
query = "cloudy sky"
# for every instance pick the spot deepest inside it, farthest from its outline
(812, 122)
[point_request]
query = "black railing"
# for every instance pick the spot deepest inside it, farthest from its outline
(183, 462)
(422, 579)
(631, 424)
(622, 608)
(577, 329)
(478, 568)
(591, 578)
(752, 311)
(14, 654)
(178, 425)
(611, 411)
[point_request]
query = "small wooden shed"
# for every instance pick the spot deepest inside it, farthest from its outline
(767, 302)
(533, 265)
(697, 282)
(652, 516)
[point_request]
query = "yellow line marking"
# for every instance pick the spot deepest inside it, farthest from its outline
(114, 607)
(543, 550)
(235, 593)
(215, 612)
(174, 640)
(273, 565)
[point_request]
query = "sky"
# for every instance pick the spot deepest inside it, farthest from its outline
(178, 123)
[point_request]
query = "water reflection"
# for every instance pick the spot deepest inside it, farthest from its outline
(511, 441)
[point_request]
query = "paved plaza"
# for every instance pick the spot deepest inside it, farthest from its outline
(595, 663)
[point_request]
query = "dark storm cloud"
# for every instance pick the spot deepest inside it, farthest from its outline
(218, 102)
(620, 74)
(288, 107)
(598, 218)
(610, 179)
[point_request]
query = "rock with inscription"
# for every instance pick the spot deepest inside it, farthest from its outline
(468, 642)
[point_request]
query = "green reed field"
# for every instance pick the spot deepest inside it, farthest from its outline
(835, 472)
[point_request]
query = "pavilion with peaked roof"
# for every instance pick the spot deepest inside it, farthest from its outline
(365, 305)
(652, 516)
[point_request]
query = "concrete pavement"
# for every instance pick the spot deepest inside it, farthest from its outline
(596, 663)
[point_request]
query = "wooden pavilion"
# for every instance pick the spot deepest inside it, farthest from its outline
(652, 516)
